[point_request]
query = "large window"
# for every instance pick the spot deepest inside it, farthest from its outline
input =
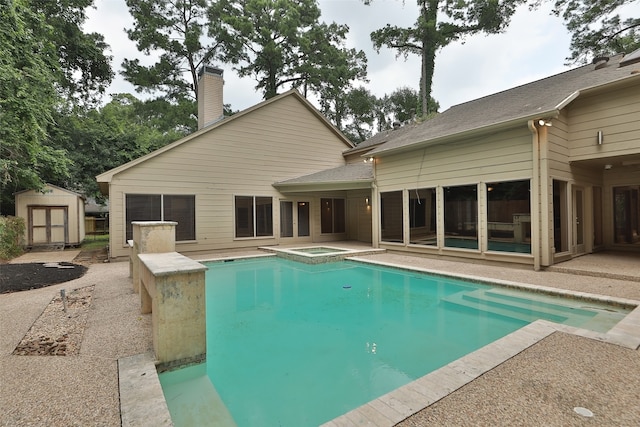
(626, 214)
(163, 207)
(509, 216)
(254, 216)
(461, 217)
(332, 216)
(422, 216)
(391, 223)
(560, 217)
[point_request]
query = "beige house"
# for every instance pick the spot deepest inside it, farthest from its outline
(217, 183)
(53, 216)
(534, 175)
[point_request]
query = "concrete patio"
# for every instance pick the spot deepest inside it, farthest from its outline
(539, 386)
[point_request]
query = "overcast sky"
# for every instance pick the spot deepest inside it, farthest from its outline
(535, 46)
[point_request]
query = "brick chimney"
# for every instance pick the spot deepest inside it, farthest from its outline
(210, 88)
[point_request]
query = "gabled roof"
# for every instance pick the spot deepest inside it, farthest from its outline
(106, 177)
(353, 175)
(540, 99)
(73, 193)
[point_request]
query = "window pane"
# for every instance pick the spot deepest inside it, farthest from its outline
(264, 216)
(326, 215)
(391, 216)
(286, 219)
(303, 219)
(181, 209)
(244, 216)
(461, 217)
(141, 207)
(509, 216)
(338, 216)
(422, 217)
(626, 215)
(560, 217)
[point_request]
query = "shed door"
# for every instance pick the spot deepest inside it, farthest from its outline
(48, 225)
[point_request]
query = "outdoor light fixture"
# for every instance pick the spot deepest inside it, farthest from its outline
(543, 122)
(368, 160)
(600, 137)
(607, 167)
(366, 200)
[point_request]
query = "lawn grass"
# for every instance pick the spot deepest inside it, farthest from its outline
(95, 241)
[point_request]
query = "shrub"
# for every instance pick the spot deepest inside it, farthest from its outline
(11, 237)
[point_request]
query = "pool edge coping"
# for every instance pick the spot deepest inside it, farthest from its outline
(405, 401)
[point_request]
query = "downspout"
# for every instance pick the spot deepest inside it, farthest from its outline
(536, 208)
(375, 214)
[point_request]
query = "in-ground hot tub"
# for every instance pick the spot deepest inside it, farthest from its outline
(319, 254)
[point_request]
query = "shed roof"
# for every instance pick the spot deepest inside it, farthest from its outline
(540, 99)
(72, 193)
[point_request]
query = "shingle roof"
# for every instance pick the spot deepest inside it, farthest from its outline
(354, 172)
(533, 100)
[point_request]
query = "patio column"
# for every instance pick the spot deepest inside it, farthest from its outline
(150, 237)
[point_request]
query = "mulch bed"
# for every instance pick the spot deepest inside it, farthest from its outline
(22, 277)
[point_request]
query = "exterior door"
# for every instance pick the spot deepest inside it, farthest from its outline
(294, 217)
(578, 221)
(48, 225)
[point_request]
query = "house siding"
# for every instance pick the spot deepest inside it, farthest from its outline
(616, 113)
(502, 157)
(244, 157)
(497, 157)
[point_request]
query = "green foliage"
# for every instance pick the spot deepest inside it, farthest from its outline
(176, 28)
(126, 128)
(402, 105)
(282, 44)
(596, 27)
(440, 23)
(360, 114)
(11, 237)
(85, 68)
(29, 68)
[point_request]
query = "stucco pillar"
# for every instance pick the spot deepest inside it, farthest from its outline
(150, 237)
(173, 290)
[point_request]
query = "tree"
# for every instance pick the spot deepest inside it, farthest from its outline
(359, 113)
(176, 28)
(99, 139)
(281, 44)
(402, 105)
(85, 68)
(596, 27)
(29, 69)
(431, 32)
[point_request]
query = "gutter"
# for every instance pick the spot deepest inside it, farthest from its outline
(550, 114)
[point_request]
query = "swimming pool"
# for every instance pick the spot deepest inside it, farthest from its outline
(296, 344)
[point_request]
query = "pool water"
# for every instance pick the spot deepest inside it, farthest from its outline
(292, 344)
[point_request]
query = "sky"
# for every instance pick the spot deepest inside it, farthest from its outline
(535, 46)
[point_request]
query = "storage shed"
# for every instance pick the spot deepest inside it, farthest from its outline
(53, 216)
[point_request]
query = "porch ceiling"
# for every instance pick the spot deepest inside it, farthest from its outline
(630, 163)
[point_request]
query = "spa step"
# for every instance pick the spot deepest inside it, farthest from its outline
(502, 305)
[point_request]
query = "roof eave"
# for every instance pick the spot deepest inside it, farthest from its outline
(324, 186)
(524, 120)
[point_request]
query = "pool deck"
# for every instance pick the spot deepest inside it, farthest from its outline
(536, 376)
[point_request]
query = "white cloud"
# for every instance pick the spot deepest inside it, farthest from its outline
(534, 47)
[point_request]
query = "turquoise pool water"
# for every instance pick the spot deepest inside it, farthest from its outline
(292, 344)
